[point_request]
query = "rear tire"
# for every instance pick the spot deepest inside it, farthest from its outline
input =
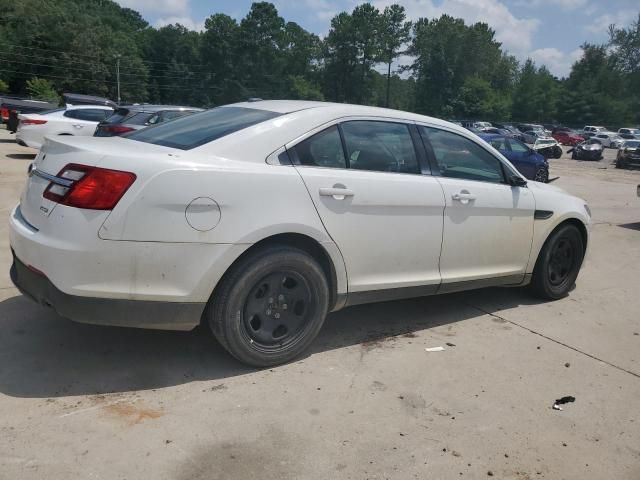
(270, 307)
(558, 263)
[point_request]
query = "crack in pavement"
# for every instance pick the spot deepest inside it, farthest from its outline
(622, 369)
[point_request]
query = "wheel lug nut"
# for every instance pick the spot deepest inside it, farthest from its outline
(277, 315)
(284, 307)
(280, 297)
(268, 311)
(271, 300)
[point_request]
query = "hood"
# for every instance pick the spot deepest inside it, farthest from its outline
(546, 187)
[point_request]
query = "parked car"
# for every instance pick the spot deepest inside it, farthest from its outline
(11, 107)
(529, 163)
(629, 133)
(251, 218)
(609, 139)
(590, 130)
(75, 120)
(515, 133)
(629, 154)
(567, 137)
(128, 118)
(81, 99)
(590, 149)
(548, 147)
(530, 136)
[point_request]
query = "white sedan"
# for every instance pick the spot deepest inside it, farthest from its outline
(78, 120)
(259, 218)
(609, 139)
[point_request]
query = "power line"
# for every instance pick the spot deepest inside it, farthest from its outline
(94, 57)
(161, 87)
(21, 62)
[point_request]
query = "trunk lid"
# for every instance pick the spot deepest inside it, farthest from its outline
(59, 151)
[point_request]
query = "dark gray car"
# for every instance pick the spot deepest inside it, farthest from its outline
(128, 118)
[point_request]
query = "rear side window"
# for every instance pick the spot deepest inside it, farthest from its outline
(88, 114)
(323, 149)
(380, 147)
(459, 157)
(194, 130)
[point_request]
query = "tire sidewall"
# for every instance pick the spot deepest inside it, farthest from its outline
(229, 315)
(541, 278)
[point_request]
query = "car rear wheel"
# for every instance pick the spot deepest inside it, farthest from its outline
(558, 264)
(270, 306)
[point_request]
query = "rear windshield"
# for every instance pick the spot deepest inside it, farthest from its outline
(194, 130)
(140, 118)
(119, 115)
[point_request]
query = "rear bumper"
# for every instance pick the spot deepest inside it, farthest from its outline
(105, 311)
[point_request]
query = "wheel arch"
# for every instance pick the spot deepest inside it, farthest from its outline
(579, 224)
(324, 253)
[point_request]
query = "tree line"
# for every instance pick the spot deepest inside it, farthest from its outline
(440, 67)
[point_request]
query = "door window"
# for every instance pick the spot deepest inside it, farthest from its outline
(459, 157)
(518, 147)
(380, 146)
(88, 114)
(499, 144)
(323, 149)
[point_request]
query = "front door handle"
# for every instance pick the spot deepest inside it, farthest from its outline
(463, 196)
(78, 126)
(336, 192)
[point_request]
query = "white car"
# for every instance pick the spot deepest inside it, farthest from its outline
(259, 218)
(609, 139)
(78, 120)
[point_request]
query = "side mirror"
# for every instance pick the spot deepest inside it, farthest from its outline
(517, 181)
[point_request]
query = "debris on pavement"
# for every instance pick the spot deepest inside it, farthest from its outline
(434, 349)
(449, 344)
(562, 401)
(567, 364)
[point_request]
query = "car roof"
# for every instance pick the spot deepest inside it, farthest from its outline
(341, 109)
(84, 107)
(157, 108)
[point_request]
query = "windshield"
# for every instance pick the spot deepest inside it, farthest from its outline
(194, 130)
(633, 144)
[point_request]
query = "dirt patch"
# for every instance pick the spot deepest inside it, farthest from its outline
(132, 413)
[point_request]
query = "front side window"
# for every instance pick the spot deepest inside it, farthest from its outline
(517, 146)
(459, 157)
(195, 130)
(499, 144)
(380, 146)
(323, 149)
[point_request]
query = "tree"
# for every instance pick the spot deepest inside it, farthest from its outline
(395, 33)
(4, 87)
(41, 89)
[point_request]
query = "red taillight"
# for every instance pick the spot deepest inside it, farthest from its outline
(89, 187)
(32, 121)
(117, 129)
(4, 111)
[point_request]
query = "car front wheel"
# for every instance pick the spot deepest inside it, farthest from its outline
(542, 175)
(270, 307)
(559, 262)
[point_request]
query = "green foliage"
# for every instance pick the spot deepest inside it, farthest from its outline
(455, 69)
(42, 89)
(4, 87)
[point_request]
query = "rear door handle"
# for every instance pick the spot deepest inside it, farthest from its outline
(463, 196)
(337, 193)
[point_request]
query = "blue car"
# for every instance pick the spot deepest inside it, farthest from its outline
(529, 163)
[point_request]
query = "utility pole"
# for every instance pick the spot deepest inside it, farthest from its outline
(117, 57)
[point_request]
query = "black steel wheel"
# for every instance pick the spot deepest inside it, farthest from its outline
(542, 175)
(559, 262)
(270, 306)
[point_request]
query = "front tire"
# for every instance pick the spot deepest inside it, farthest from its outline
(270, 307)
(542, 175)
(558, 263)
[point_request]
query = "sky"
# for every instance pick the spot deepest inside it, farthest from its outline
(548, 31)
